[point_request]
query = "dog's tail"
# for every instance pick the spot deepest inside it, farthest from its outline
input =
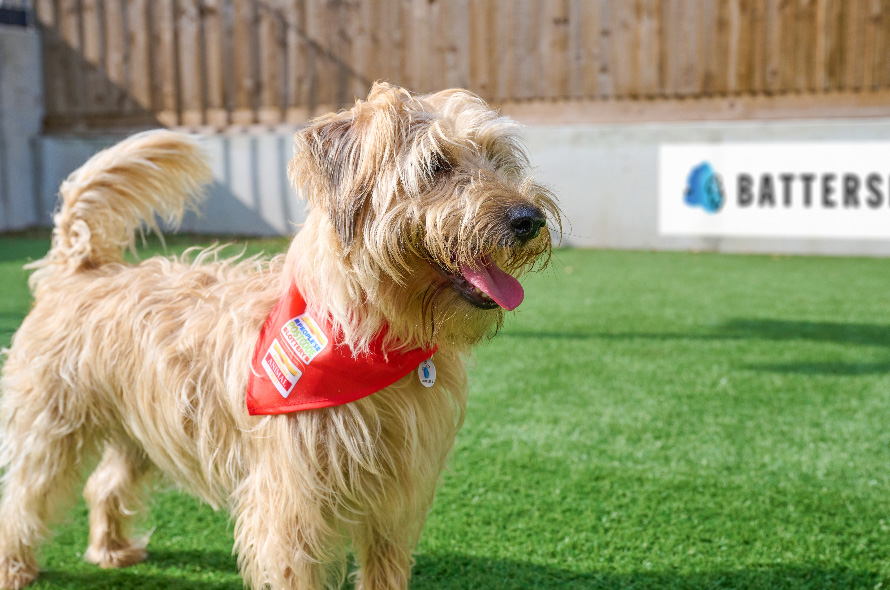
(115, 194)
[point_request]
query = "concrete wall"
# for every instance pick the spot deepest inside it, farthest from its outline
(250, 194)
(605, 177)
(21, 115)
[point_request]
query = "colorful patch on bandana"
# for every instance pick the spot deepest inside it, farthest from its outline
(281, 369)
(304, 337)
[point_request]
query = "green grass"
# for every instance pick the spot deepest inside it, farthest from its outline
(644, 421)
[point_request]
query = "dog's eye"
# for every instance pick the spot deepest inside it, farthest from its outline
(438, 165)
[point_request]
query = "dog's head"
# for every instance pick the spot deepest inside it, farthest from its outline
(428, 205)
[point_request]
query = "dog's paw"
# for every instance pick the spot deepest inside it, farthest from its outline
(15, 574)
(113, 558)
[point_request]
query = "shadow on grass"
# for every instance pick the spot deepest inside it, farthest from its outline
(827, 368)
(164, 569)
(845, 333)
(835, 332)
(461, 572)
(739, 329)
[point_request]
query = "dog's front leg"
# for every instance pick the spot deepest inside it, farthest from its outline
(383, 544)
(284, 539)
(384, 564)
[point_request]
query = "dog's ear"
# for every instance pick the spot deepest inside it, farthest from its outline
(331, 162)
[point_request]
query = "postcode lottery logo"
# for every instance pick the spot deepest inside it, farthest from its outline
(305, 337)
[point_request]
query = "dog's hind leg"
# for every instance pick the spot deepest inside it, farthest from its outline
(41, 451)
(114, 494)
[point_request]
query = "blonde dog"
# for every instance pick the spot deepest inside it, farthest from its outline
(421, 212)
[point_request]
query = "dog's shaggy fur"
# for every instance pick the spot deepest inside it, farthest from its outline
(146, 365)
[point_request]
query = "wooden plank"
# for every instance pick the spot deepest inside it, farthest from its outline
(834, 45)
(591, 17)
(554, 48)
(870, 39)
(417, 45)
(820, 57)
(855, 20)
(577, 52)
(393, 40)
(733, 60)
(117, 55)
(605, 75)
(272, 74)
(138, 66)
(319, 81)
(648, 44)
(490, 64)
(386, 64)
(773, 47)
(92, 56)
(622, 48)
(788, 48)
(243, 62)
(507, 58)
(690, 60)
(191, 71)
(213, 77)
(166, 97)
(389, 38)
(406, 45)
(677, 49)
(758, 35)
(48, 14)
(160, 43)
(669, 18)
(459, 19)
(443, 47)
(479, 56)
(805, 63)
(229, 78)
(365, 46)
(525, 50)
(71, 65)
(341, 46)
(882, 50)
(722, 49)
(303, 87)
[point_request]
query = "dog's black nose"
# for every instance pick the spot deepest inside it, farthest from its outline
(526, 221)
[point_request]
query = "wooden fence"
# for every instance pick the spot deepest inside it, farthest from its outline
(222, 62)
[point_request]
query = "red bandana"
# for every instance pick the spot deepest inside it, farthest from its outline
(297, 365)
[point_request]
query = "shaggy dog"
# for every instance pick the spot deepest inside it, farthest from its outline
(421, 210)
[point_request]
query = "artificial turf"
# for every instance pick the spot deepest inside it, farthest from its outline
(643, 421)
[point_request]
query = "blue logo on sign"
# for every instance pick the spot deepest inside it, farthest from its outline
(426, 372)
(704, 188)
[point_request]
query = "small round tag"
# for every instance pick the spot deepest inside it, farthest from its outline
(427, 373)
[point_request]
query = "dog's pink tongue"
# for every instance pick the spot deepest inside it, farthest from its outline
(494, 282)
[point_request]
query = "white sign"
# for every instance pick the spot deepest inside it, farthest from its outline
(803, 190)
